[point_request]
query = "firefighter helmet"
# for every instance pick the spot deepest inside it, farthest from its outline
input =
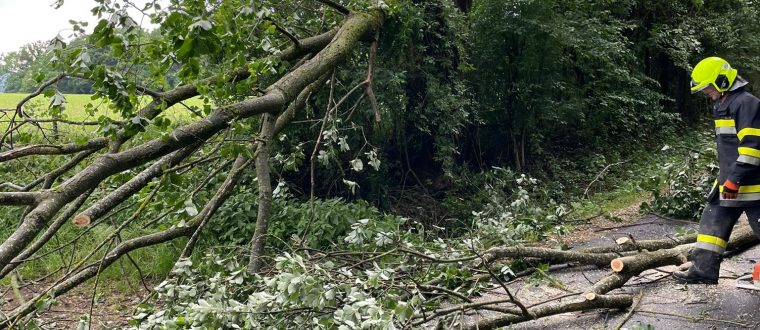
(712, 71)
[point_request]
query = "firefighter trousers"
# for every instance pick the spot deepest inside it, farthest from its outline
(717, 222)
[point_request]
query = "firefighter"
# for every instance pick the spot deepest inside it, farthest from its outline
(736, 113)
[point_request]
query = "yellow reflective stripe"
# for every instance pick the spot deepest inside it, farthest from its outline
(712, 240)
(749, 189)
(748, 131)
(724, 123)
(746, 189)
(749, 152)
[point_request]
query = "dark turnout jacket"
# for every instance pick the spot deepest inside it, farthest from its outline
(737, 132)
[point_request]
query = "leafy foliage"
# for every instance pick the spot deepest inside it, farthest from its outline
(686, 182)
(518, 209)
(329, 220)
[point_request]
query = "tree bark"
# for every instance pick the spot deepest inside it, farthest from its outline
(265, 194)
(584, 304)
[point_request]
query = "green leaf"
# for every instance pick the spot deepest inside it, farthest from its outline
(187, 49)
(190, 208)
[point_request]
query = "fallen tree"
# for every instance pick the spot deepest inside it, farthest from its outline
(314, 59)
(259, 88)
(665, 252)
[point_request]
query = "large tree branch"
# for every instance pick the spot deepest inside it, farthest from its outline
(42, 240)
(126, 190)
(166, 99)
(599, 301)
(19, 198)
(276, 97)
(91, 270)
(549, 255)
(184, 92)
(627, 267)
(51, 149)
(265, 193)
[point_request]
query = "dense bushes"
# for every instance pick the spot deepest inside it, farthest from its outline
(680, 188)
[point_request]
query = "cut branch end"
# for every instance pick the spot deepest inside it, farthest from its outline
(617, 265)
(82, 220)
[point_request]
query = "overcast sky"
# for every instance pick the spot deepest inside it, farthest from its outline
(25, 21)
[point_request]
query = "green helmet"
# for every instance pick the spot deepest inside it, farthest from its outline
(712, 71)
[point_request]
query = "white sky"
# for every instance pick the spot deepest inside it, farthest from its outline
(25, 21)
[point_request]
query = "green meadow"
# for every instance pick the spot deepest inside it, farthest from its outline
(75, 106)
(74, 109)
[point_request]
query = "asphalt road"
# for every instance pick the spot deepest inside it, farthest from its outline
(665, 304)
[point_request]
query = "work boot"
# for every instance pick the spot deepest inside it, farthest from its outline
(705, 268)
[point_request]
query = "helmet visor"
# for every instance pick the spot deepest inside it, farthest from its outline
(698, 86)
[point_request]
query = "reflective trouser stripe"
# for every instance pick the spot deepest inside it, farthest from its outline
(744, 197)
(755, 188)
(712, 243)
(746, 193)
(724, 123)
(748, 131)
(749, 152)
(725, 130)
(749, 160)
(709, 247)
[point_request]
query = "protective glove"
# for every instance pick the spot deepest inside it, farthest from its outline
(730, 190)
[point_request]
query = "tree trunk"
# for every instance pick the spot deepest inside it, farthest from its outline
(265, 194)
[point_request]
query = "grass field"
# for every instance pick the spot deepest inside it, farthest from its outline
(75, 110)
(75, 106)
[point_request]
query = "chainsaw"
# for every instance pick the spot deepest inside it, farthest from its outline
(750, 281)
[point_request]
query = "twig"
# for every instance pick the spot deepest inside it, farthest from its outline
(336, 6)
(61, 120)
(512, 298)
(282, 30)
(555, 299)
(554, 282)
(672, 219)
(624, 226)
(628, 315)
(97, 280)
(696, 319)
(15, 286)
(424, 256)
(598, 176)
(370, 75)
(11, 185)
(19, 108)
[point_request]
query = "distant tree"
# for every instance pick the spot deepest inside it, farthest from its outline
(20, 65)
